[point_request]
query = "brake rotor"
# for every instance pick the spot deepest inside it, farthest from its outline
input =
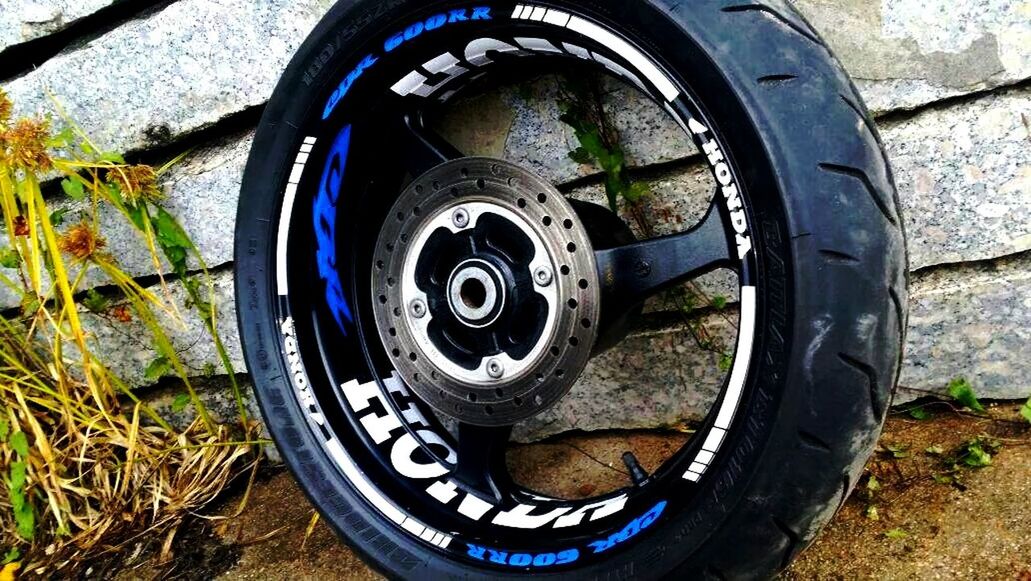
(486, 291)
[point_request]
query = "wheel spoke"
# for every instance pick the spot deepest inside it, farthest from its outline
(631, 274)
(481, 460)
(420, 147)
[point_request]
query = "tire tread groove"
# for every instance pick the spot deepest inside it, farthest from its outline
(776, 79)
(862, 177)
(836, 256)
(762, 8)
(794, 541)
(876, 405)
(814, 442)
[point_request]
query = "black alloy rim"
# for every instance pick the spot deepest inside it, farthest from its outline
(388, 148)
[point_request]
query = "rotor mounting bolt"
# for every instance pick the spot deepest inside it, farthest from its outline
(460, 218)
(543, 276)
(495, 369)
(418, 308)
(643, 269)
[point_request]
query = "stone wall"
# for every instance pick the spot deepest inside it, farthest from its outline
(947, 80)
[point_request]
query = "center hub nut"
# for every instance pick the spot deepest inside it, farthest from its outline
(486, 291)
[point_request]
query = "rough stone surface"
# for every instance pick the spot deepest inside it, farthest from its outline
(905, 53)
(219, 57)
(22, 20)
(972, 322)
(531, 134)
(127, 348)
(964, 174)
(180, 70)
(656, 379)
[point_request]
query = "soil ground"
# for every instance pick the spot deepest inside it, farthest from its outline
(912, 515)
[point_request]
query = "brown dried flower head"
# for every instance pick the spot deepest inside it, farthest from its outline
(5, 108)
(26, 145)
(137, 182)
(81, 242)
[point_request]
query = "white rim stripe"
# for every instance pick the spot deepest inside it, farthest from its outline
(289, 197)
(742, 360)
(735, 386)
(373, 496)
(621, 47)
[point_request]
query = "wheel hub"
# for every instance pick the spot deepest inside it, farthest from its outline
(476, 293)
(487, 294)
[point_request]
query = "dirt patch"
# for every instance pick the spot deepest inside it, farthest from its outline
(977, 527)
(972, 523)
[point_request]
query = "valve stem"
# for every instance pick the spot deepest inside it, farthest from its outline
(637, 473)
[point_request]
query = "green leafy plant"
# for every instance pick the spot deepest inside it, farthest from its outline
(599, 141)
(896, 534)
(961, 391)
(1025, 410)
(897, 451)
(973, 454)
(976, 452)
(600, 144)
(919, 413)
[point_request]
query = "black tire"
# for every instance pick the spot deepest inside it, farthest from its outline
(834, 302)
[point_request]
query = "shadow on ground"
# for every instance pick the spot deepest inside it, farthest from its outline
(917, 518)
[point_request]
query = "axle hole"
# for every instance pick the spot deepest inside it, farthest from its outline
(473, 293)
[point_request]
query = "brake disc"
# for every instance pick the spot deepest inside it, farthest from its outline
(487, 293)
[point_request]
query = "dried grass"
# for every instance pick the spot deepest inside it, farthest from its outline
(86, 466)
